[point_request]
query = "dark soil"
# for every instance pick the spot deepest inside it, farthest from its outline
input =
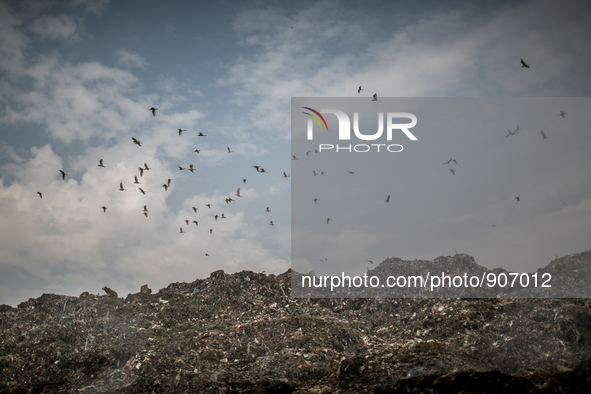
(242, 333)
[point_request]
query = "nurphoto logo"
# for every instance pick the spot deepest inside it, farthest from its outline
(345, 130)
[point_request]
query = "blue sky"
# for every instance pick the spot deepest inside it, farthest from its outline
(77, 79)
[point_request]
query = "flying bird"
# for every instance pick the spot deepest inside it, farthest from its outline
(285, 175)
(141, 171)
(517, 198)
(196, 222)
(238, 193)
(195, 209)
(146, 214)
(146, 208)
(146, 167)
(191, 168)
(230, 151)
(523, 64)
(142, 191)
(181, 131)
(153, 110)
(104, 209)
(165, 186)
(196, 150)
(208, 205)
(375, 97)
(359, 90)
(271, 223)
(182, 232)
(63, 175)
(211, 231)
(544, 135)
(307, 153)
(187, 221)
(181, 168)
(351, 172)
(563, 204)
(168, 182)
(223, 216)
(328, 220)
(121, 186)
(263, 170)
(100, 164)
(295, 158)
(40, 195)
(315, 200)
(388, 198)
(136, 181)
(267, 210)
(450, 160)
(512, 132)
(201, 135)
(244, 180)
(562, 113)
(314, 172)
(453, 172)
(135, 141)
(369, 261)
(257, 168)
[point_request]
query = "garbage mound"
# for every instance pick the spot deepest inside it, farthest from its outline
(243, 333)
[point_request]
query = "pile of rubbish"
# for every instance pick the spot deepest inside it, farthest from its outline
(243, 333)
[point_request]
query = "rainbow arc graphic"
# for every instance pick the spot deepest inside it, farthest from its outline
(315, 118)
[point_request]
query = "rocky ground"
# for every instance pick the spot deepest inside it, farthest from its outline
(242, 333)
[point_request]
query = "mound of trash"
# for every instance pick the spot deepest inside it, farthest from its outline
(243, 333)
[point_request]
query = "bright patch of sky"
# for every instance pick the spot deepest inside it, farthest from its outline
(77, 80)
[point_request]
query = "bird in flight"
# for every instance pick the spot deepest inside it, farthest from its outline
(229, 200)
(201, 135)
(562, 113)
(211, 231)
(181, 168)
(181, 131)
(369, 261)
(295, 158)
(63, 175)
(229, 150)
(244, 180)
(544, 135)
(146, 167)
(165, 186)
(135, 141)
(257, 168)
(307, 153)
(267, 210)
(450, 160)
(142, 191)
(121, 186)
(563, 204)
(136, 182)
(182, 232)
(263, 170)
(238, 193)
(168, 182)
(196, 150)
(146, 208)
(315, 200)
(195, 209)
(328, 220)
(388, 198)
(141, 171)
(153, 110)
(187, 221)
(100, 164)
(517, 198)
(146, 214)
(285, 175)
(271, 223)
(208, 206)
(351, 172)
(41, 195)
(196, 222)
(359, 90)
(512, 132)
(453, 172)
(375, 97)
(523, 64)
(191, 168)
(223, 216)
(104, 209)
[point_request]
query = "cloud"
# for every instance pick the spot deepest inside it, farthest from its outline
(127, 58)
(54, 27)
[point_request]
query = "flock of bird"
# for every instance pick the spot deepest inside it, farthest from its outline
(167, 184)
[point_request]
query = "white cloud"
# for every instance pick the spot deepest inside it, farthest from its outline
(54, 27)
(127, 58)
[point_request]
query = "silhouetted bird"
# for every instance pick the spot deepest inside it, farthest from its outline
(121, 186)
(63, 175)
(523, 64)
(388, 198)
(100, 164)
(142, 191)
(181, 131)
(153, 110)
(544, 135)
(135, 141)
(104, 209)
(40, 195)
(517, 198)
(359, 90)
(562, 113)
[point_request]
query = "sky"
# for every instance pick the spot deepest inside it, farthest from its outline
(77, 80)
